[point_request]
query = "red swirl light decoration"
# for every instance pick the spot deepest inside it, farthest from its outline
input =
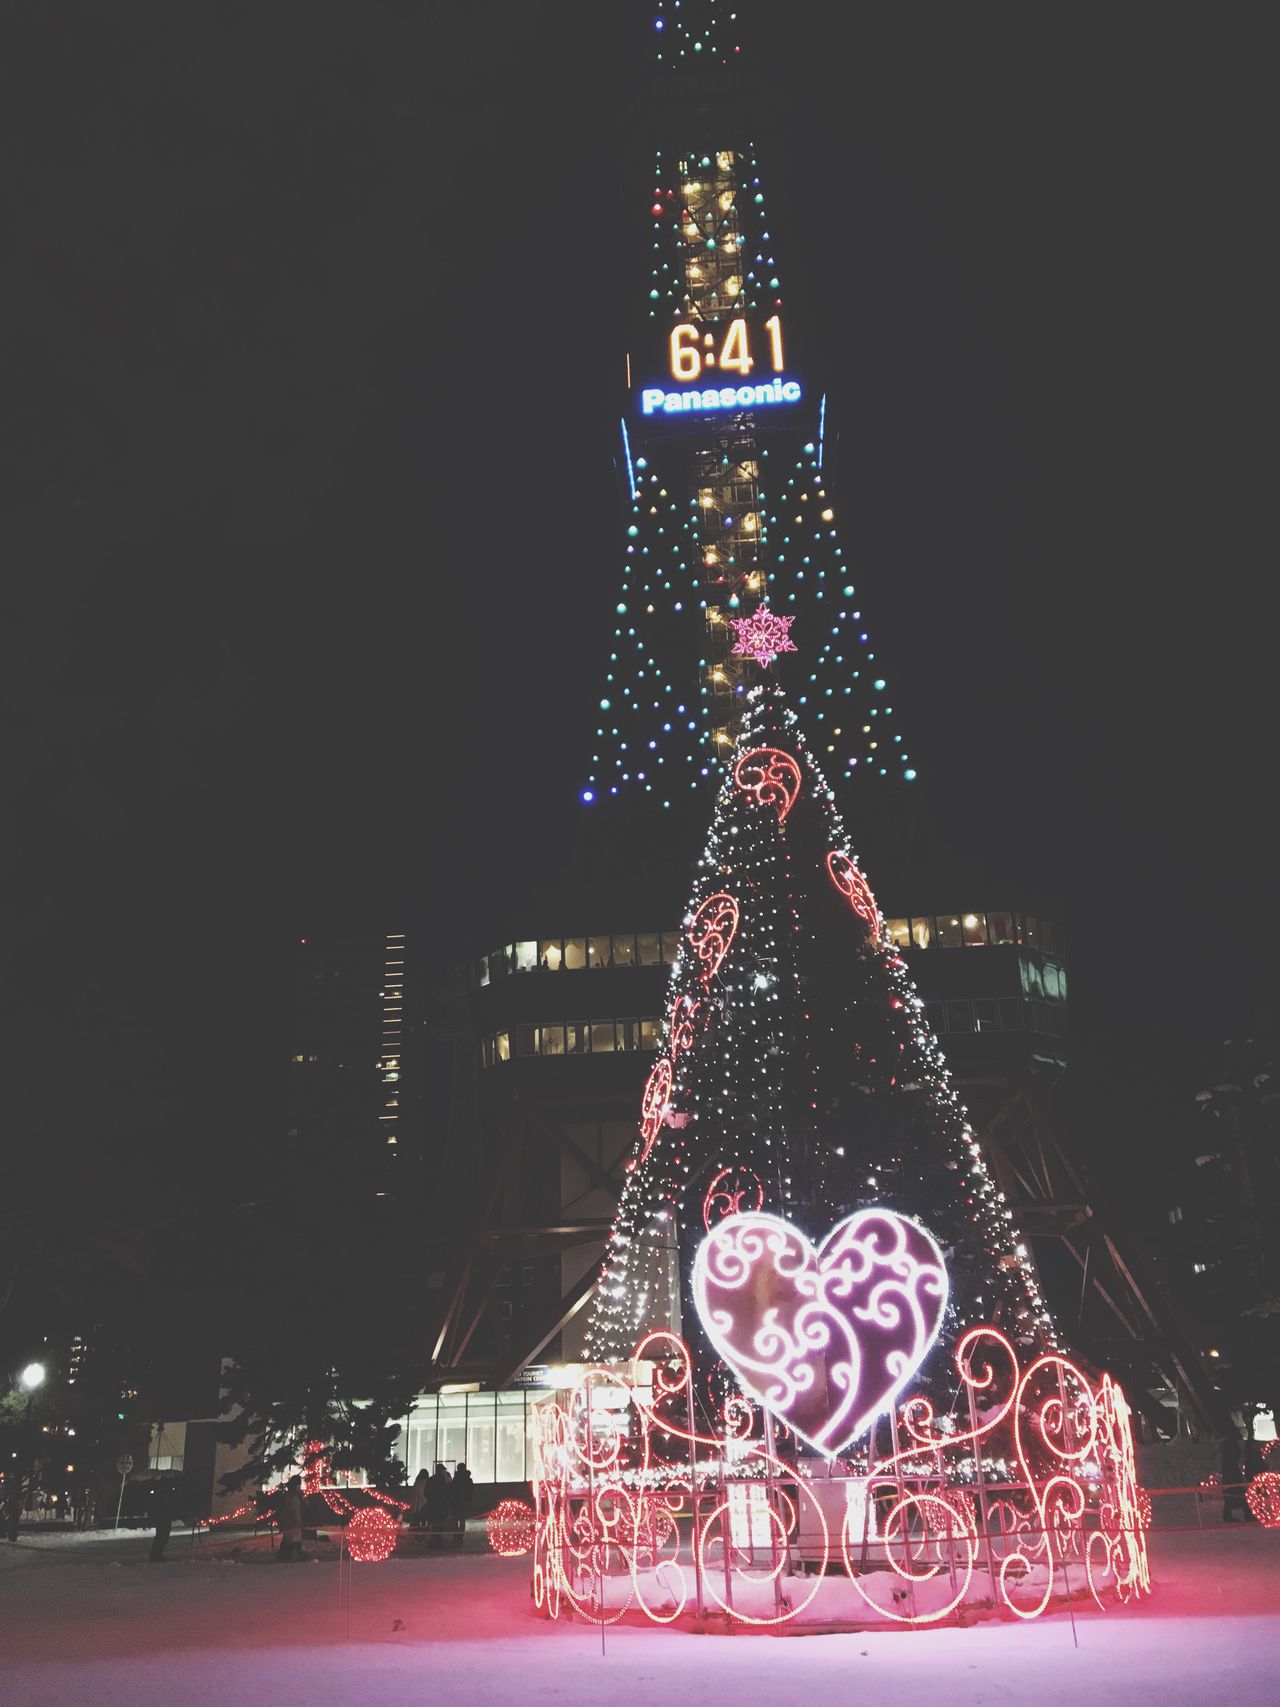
(724, 1197)
(847, 876)
(654, 1104)
(687, 1020)
(1010, 1514)
(824, 1337)
(770, 776)
(711, 932)
(371, 1535)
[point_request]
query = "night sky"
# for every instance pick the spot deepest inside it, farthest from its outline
(313, 526)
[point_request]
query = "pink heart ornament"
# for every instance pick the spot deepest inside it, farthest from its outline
(827, 1337)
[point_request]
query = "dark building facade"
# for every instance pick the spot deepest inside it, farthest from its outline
(355, 1100)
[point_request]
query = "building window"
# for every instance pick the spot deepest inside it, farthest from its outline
(1028, 931)
(1048, 937)
(1012, 1017)
(1038, 1019)
(624, 951)
(577, 1037)
(975, 929)
(897, 932)
(950, 931)
(922, 932)
(935, 1014)
(551, 1039)
(526, 956)
(500, 963)
(627, 1033)
(984, 1013)
(958, 1016)
(602, 1037)
(648, 948)
(486, 1052)
(649, 1034)
(1000, 929)
(482, 970)
(598, 951)
(670, 947)
(1052, 988)
(1199, 1268)
(575, 953)
(1175, 1215)
(550, 955)
(526, 1040)
(502, 1046)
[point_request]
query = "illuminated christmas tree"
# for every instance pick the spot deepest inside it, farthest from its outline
(797, 1073)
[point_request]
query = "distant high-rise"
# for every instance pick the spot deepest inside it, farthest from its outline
(355, 1102)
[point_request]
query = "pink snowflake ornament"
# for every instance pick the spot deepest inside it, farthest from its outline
(762, 635)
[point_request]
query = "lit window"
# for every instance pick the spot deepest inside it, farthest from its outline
(551, 1039)
(575, 953)
(922, 932)
(624, 951)
(526, 956)
(598, 951)
(647, 948)
(550, 955)
(502, 1046)
(1199, 1268)
(950, 931)
(602, 1037)
(974, 926)
(898, 932)
(648, 1034)
(1175, 1215)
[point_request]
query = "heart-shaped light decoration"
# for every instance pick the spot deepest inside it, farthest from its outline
(824, 1336)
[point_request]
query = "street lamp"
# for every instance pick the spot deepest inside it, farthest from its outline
(30, 1380)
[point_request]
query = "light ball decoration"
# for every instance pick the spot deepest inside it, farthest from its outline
(512, 1528)
(1263, 1495)
(371, 1535)
(1144, 1508)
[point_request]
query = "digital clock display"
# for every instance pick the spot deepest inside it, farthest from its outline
(733, 364)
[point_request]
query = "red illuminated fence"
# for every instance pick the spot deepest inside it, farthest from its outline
(640, 1511)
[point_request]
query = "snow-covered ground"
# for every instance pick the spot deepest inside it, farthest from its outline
(88, 1620)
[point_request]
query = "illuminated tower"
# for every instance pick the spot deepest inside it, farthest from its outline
(723, 454)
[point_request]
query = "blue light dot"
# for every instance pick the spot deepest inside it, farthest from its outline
(587, 796)
(878, 684)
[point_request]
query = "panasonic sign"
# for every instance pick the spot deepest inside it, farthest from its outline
(654, 401)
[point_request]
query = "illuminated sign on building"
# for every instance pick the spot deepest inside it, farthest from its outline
(727, 351)
(654, 401)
